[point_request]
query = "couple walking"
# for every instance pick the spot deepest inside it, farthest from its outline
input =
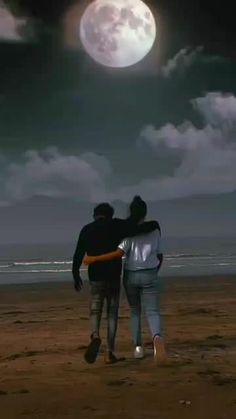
(101, 246)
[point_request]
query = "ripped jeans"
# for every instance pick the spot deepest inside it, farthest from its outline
(109, 291)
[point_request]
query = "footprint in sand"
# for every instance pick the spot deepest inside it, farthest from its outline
(3, 393)
(120, 382)
(23, 391)
(28, 354)
(222, 380)
(90, 408)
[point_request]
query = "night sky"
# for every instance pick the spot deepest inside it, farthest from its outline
(74, 131)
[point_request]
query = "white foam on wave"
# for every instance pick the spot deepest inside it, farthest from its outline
(36, 271)
(54, 262)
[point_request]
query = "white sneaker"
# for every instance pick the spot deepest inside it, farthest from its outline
(139, 352)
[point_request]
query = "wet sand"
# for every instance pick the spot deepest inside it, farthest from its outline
(44, 330)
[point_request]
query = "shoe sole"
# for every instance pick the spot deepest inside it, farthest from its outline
(92, 351)
(139, 356)
(159, 351)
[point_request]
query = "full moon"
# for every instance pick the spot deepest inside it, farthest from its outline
(117, 33)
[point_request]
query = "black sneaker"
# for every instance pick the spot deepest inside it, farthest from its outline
(92, 350)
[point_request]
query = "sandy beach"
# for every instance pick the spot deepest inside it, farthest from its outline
(44, 331)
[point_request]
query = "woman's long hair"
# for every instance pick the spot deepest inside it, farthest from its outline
(138, 209)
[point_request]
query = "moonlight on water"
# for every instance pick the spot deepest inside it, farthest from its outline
(117, 33)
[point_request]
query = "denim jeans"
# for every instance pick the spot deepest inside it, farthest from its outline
(109, 291)
(142, 287)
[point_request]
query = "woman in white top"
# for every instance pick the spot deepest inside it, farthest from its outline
(142, 263)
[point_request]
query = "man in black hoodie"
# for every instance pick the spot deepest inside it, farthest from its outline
(99, 237)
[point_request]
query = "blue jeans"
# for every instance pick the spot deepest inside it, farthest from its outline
(109, 291)
(143, 287)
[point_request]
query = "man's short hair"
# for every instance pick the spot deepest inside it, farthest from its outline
(103, 210)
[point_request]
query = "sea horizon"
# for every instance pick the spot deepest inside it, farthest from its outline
(186, 256)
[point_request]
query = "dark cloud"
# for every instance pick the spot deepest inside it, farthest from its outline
(48, 11)
(186, 58)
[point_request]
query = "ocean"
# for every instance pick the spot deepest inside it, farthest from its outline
(20, 264)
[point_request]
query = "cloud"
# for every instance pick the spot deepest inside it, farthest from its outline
(14, 29)
(50, 173)
(207, 155)
(186, 58)
(217, 109)
(205, 163)
(183, 137)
